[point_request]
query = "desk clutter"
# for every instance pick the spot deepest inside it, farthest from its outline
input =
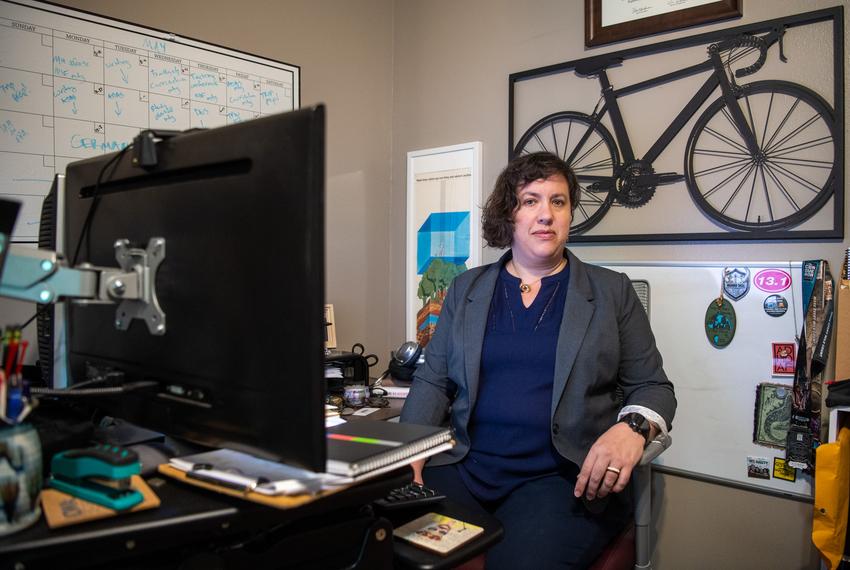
(438, 533)
(20, 477)
(101, 475)
(357, 451)
(351, 390)
(63, 509)
(102, 481)
(410, 496)
(15, 400)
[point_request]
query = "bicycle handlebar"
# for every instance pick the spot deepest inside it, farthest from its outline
(761, 43)
(754, 42)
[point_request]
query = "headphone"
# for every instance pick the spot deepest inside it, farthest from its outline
(405, 359)
(407, 354)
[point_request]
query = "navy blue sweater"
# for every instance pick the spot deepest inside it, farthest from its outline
(510, 425)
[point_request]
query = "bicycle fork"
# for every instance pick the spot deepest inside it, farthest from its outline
(730, 96)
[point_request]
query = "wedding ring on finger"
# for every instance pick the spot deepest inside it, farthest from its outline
(612, 470)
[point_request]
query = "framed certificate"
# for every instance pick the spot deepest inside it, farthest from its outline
(607, 21)
(330, 327)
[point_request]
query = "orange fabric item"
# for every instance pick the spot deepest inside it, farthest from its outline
(832, 498)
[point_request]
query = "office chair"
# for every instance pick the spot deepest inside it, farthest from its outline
(632, 549)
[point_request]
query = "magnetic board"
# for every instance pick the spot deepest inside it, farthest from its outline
(75, 85)
(716, 388)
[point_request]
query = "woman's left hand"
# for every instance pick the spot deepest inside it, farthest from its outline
(609, 463)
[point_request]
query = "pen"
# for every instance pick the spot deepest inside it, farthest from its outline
(12, 349)
(19, 368)
(289, 487)
(5, 342)
(2, 394)
(14, 399)
(203, 473)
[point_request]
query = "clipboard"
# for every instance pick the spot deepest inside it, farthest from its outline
(276, 501)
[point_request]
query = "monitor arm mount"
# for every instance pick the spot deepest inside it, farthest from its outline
(42, 276)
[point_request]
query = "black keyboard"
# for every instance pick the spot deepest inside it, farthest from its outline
(411, 495)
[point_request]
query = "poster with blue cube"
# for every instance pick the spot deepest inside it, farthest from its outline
(443, 233)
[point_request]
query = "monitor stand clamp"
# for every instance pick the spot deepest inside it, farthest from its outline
(43, 277)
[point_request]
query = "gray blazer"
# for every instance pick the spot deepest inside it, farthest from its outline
(605, 342)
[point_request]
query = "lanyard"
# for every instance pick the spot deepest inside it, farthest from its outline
(813, 352)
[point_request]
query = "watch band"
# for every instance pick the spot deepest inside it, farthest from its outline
(638, 423)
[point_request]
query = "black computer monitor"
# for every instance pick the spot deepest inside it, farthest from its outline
(8, 213)
(241, 208)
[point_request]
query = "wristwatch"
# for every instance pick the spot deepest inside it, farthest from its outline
(638, 423)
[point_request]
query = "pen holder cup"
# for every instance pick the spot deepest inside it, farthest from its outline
(20, 477)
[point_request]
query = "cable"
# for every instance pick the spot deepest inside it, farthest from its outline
(379, 381)
(31, 319)
(794, 306)
(71, 392)
(96, 199)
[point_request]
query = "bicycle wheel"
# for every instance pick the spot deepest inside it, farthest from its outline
(590, 151)
(786, 181)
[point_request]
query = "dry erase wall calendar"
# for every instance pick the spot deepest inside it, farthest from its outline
(74, 85)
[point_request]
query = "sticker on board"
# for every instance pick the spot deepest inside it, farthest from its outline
(772, 280)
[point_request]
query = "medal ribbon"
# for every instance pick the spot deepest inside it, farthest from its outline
(812, 354)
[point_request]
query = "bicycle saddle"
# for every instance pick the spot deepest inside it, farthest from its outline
(594, 65)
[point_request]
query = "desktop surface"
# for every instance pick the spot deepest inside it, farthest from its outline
(191, 522)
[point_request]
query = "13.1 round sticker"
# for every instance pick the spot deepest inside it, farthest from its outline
(772, 280)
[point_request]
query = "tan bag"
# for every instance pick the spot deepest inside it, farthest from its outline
(832, 498)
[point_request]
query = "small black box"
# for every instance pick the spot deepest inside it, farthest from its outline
(345, 369)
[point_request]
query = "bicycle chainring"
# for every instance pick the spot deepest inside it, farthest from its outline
(635, 185)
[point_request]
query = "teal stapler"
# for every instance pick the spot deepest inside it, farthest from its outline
(99, 474)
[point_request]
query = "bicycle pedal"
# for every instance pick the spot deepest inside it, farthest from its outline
(601, 186)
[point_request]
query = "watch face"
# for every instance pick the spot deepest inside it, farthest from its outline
(638, 423)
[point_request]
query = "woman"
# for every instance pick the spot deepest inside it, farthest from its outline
(548, 372)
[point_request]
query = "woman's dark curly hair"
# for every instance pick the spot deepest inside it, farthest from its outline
(497, 218)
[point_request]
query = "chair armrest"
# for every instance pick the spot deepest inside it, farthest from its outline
(655, 448)
(643, 494)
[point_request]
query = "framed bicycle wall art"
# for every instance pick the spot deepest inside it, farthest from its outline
(735, 134)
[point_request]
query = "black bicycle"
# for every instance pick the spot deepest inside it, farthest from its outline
(759, 158)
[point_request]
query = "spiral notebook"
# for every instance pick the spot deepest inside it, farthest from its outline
(358, 448)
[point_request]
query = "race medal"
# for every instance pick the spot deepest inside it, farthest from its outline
(736, 282)
(798, 447)
(720, 322)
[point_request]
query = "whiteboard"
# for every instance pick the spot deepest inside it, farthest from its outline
(716, 388)
(75, 85)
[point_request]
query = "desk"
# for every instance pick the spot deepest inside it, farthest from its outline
(194, 528)
(390, 413)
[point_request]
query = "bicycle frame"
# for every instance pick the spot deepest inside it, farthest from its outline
(718, 77)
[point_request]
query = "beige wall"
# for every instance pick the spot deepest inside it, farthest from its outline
(344, 50)
(451, 66)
